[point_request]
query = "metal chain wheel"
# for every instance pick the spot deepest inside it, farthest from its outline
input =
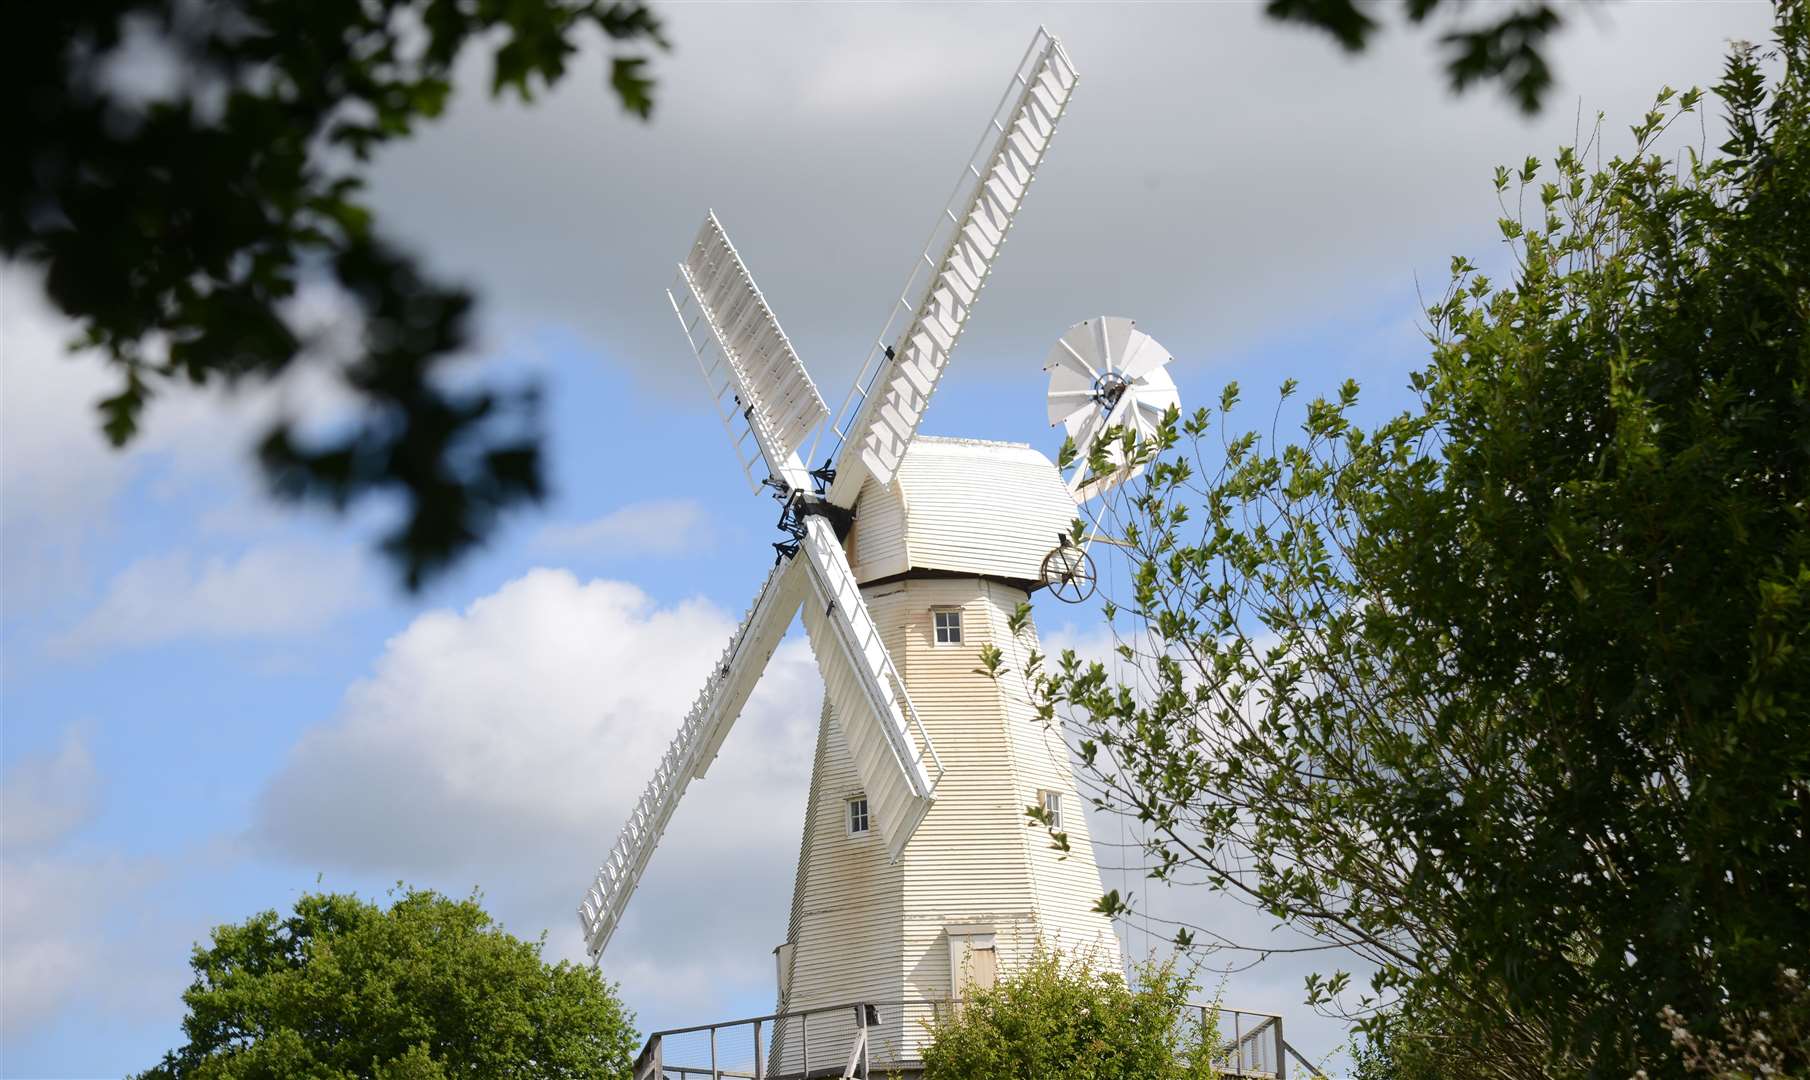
(1068, 573)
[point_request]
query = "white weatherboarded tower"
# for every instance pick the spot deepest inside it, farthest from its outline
(918, 875)
(944, 558)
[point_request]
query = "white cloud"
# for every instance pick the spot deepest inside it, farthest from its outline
(265, 592)
(655, 526)
(47, 796)
(852, 76)
(1220, 176)
(51, 931)
(58, 475)
(503, 745)
(1091, 642)
(53, 927)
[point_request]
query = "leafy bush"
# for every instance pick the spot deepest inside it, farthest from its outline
(1068, 1019)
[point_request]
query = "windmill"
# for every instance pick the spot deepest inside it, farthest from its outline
(917, 876)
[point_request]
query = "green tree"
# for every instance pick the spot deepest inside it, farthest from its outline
(1765, 1042)
(1064, 1018)
(1507, 45)
(426, 988)
(1508, 694)
(1376, 1055)
(175, 228)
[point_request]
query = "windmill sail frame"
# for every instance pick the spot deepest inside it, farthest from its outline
(692, 750)
(887, 401)
(745, 357)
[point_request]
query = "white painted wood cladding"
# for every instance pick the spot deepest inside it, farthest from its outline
(864, 928)
(891, 754)
(962, 505)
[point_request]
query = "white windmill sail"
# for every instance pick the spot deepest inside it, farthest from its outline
(894, 386)
(758, 384)
(892, 752)
(766, 399)
(692, 750)
(774, 396)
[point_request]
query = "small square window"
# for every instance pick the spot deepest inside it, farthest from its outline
(857, 816)
(948, 627)
(1051, 801)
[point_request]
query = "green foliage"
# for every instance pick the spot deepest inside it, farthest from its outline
(1066, 1019)
(1380, 1054)
(427, 988)
(1753, 1042)
(1507, 694)
(175, 230)
(1508, 46)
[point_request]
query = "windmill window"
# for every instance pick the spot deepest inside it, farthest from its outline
(1051, 801)
(948, 626)
(857, 816)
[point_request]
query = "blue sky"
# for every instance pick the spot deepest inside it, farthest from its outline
(211, 704)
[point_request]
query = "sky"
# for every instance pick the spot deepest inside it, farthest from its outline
(210, 704)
